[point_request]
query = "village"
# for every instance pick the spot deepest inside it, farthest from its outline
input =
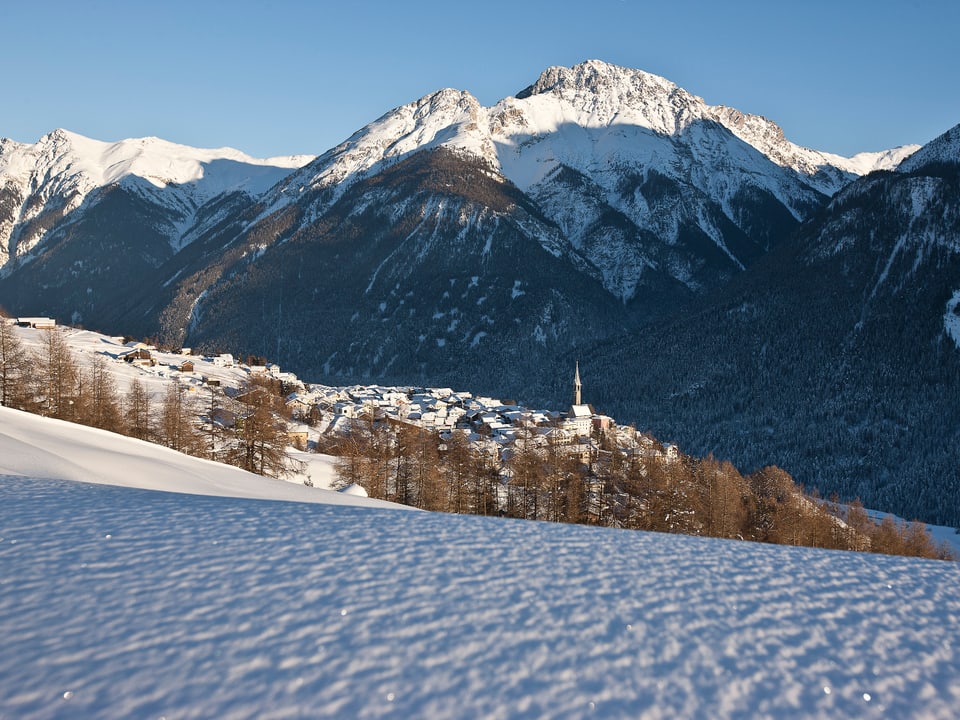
(319, 412)
(493, 426)
(433, 448)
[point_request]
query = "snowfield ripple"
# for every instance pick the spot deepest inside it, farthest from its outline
(119, 603)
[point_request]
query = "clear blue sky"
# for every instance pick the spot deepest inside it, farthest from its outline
(284, 77)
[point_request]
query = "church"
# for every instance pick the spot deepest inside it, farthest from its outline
(579, 418)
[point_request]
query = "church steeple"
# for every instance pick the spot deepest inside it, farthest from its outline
(576, 385)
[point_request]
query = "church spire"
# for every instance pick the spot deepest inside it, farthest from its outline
(576, 385)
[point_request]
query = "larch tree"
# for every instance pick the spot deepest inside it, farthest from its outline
(14, 367)
(137, 410)
(455, 467)
(101, 402)
(177, 428)
(259, 442)
(57, 381)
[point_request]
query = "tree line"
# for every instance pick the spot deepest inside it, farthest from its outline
(556, 482)
(248, 430)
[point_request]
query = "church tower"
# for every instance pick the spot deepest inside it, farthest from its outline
(576, 385)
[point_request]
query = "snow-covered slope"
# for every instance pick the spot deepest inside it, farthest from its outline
(121, 603)
(826, 171)
(33, 446)
(944, 149)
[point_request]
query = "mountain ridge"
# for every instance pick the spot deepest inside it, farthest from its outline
(603, 212)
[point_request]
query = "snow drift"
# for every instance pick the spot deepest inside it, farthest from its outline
(117, 602)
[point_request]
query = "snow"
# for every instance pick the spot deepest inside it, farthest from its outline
(951, 319)
(354, 489)
(66, 166)
(158, 161)
(867, 162)
(33, 446)
(121, 602)
(943, 149)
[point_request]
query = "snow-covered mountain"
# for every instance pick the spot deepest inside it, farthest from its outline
(943, 150)
(467, 229)
(837, 356)
(649, 187)
(91, 222)
(645, 180)
(46, 184)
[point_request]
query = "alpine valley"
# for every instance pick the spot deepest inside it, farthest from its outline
(720, 285)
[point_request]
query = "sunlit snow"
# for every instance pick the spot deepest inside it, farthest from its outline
(118, 602)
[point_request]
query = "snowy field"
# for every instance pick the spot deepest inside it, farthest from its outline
(120, 602)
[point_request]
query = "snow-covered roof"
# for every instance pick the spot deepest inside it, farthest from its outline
(581, 411)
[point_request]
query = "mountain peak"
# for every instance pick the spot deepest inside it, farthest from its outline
(942, 150)
(595, 76)
(598, 94)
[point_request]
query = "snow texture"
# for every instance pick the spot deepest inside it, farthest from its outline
(34, 446)
(118, 602)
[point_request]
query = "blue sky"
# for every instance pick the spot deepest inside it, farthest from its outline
(287, 77)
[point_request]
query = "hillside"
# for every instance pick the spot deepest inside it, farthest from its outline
(833, 358)
(124, 602)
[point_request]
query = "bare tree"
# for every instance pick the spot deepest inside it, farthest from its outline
(526, 477)
(352, 462)
(455, 467)
(100, 400)
(178, 422)
(259, 441)
(138, 411)
(14, 365)
(57, 379)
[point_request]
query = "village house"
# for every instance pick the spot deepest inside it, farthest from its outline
(603, 423)
(38, 323)
(297, 438)
(139, 356)
(671, 454)
(346, 409)
(300, 405)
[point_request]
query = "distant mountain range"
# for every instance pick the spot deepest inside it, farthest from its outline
(720, 285)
